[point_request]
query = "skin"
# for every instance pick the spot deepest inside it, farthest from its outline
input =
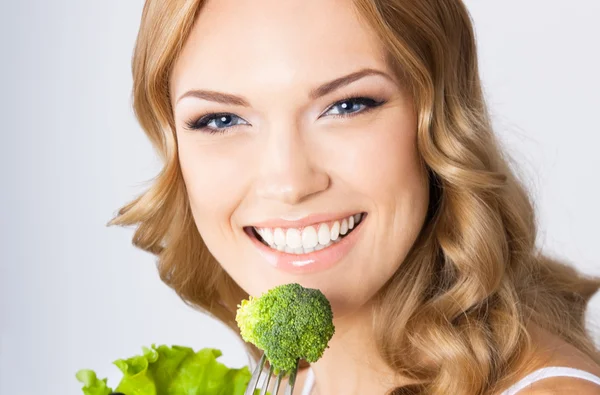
(290, 157)
(287, 155)
(551, 350)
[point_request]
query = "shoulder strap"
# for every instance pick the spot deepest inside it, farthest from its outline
(550, 371)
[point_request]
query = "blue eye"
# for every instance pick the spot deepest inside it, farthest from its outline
(216, 123)
(352, 105)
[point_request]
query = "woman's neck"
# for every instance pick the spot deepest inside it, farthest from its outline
(351, 364)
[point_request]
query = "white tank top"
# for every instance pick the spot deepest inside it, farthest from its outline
(542, 373)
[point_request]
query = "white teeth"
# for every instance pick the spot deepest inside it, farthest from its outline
(335, 230)
(309, 237)
(344, 227)
(267, 235)
(324, 235)
(279, 237)
(293, 238)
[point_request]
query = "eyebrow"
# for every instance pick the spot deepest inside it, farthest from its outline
(322, 90)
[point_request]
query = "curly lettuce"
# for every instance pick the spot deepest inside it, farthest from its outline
(175, 370)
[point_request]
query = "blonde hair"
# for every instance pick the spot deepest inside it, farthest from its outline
(454, 315)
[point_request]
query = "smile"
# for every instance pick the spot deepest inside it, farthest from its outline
(308, 239)
(310, 248)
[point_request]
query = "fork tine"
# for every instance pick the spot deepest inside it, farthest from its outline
(255, 376)
(278, 383)
(289, 389)
(266, 385)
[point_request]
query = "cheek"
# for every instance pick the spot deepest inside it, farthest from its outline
(213, 182)
(384, 163)
(387, 170)
(399, 181)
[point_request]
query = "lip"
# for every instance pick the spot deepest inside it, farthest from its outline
(308, 220)
(312, 262)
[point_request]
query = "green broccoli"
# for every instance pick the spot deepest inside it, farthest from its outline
(288, 323)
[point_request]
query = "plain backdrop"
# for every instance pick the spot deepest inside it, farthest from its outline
(76, 294)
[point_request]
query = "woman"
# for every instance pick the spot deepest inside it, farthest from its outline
(346, 146)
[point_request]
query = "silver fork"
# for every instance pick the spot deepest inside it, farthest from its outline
(289, 388)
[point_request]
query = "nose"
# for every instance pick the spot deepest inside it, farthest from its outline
(290, 171)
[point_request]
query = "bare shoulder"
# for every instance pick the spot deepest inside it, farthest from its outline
(562, 385)
(557, 352)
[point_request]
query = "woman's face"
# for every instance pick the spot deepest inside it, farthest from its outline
(289, 123)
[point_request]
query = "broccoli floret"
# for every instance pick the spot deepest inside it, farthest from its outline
(288, 323)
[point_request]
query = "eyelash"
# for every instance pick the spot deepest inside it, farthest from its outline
(202, 122)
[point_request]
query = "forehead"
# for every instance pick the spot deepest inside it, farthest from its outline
(274, 43)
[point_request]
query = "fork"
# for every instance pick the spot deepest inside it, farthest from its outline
(289, 389)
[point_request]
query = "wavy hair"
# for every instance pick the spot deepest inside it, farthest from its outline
(459, 304)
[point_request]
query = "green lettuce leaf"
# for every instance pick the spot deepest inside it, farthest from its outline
(92, 385)
(175, 370)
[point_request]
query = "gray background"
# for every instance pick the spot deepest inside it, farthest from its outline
(75, 294)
